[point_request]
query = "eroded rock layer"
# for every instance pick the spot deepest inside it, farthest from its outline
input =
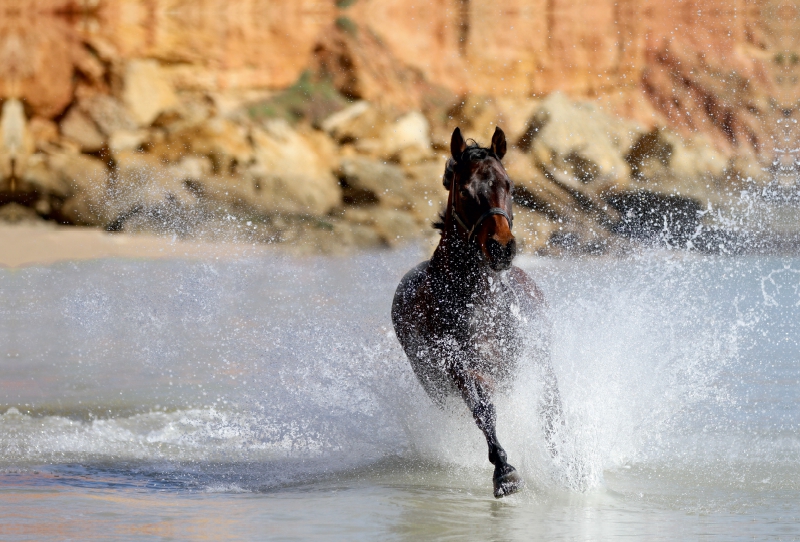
(626, 119)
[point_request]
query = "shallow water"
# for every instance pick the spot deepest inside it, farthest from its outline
(268, 398)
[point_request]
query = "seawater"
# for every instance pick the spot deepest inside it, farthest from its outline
(266, 397)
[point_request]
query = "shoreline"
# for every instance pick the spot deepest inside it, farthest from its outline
(41, 244)
(27, 245)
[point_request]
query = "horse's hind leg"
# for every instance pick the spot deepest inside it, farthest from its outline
(475, 391)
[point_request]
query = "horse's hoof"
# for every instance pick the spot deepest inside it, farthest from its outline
(506, 481)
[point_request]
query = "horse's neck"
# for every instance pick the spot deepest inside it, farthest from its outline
(457, 266)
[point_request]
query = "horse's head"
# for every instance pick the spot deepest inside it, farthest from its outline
(480, 197)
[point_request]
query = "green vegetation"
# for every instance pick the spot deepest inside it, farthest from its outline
(310, 99)
(344, 4)
(786, 58)
(347, 25)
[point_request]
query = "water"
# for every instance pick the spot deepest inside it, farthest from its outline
(267, 397)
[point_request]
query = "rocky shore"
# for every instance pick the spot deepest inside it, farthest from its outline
(262, 168)
(673, 150)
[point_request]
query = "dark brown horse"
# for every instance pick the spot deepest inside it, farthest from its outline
(462, 316)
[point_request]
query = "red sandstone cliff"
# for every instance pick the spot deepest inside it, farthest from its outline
(125, 112)
(703, 65)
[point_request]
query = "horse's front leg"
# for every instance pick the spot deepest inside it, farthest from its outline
(476, 392)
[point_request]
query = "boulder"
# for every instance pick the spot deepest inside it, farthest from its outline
(108, 113)
(126, 140)
(83, 183)
(146, 91)
(16, 143)
(223, 141)
(145, 194)
(749, 170)
(40, 177)
(191, 168)
(288, 174)
(44, 133)
(77, 126)
(581, 146)
(392, 226)
(366, 179)
(664, 163)
(141, 179)
(696, 158)
(408, 138)
(360, 121)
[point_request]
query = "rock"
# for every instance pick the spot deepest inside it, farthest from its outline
(407, 138)
(15, 140)
(373, 131)
(665, 164)
(514, 115)
(144, 194)
(14, 213)
(146, 91)
(141, 179)
(44, 132)
(360, 121)
(191, 168)
(223, 141)
(695, 159)
(81, 129)
(370, 180)
(749, 170)
(480, 115)
(532, 229)
(580, 146)
(108, 113)
(42, 179)
(392, 226)
(126, 140)
(288, 174)
(192, 110)
(83, 182)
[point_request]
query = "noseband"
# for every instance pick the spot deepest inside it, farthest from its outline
(484, 216)
(449, 173)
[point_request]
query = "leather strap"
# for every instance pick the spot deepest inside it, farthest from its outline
(484, 216)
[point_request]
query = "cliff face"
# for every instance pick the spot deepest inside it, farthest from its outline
(703, 65)
(163, 113)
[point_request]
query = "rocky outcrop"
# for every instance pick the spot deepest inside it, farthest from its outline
(626, 120)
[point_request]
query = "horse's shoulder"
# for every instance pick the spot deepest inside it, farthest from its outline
(526, 288)
(409, 288)
(412, 280)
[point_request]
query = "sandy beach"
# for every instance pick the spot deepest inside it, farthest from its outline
(44, 244)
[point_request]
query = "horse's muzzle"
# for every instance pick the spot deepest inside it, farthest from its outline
(501, 255)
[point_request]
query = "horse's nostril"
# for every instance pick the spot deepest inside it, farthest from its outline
(511, 248)
(501, 254)
(495, 249)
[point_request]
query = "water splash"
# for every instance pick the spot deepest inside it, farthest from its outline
(279, 371)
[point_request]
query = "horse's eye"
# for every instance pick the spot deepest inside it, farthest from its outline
(464, 193)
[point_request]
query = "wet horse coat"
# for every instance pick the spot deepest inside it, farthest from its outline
(462, 316)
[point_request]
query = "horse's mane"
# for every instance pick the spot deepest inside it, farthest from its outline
(473, 153)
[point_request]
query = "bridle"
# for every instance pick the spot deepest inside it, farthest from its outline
(484, 216)
(491, 212)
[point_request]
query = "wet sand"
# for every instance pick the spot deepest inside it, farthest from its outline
(44, 244)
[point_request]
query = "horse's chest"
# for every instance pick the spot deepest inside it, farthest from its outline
(494, 326)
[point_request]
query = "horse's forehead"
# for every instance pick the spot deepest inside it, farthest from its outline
(487, 171)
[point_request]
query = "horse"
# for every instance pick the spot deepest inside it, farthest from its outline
(461, 316)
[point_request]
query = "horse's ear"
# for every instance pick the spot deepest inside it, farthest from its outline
(449, 173)
(499, 146)
(457, 144)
